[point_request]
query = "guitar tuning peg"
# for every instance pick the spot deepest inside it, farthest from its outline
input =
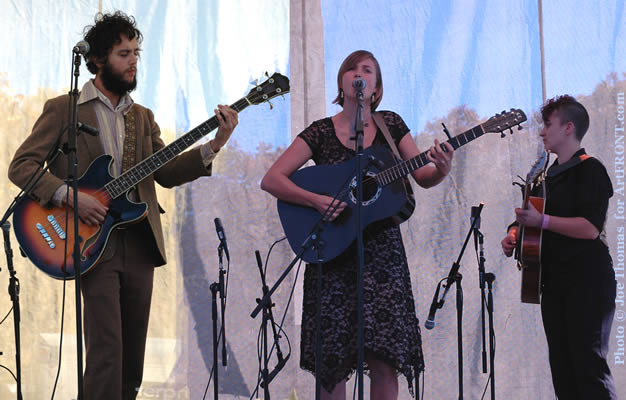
(267, 75)
(271, 105)
(503, 112)
(510, 131)
(502, 135)
(519, 127)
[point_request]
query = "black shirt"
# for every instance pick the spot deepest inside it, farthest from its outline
(580, 187)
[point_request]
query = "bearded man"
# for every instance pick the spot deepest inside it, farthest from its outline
(117, 293)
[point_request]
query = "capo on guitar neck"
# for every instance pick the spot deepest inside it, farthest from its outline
(446, 131)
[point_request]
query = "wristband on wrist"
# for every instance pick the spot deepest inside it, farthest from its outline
(545, 220)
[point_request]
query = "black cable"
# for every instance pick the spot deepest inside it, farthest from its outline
(260, 357)
(486, 386)
(282, 321)
(11, 372)
(6, 316)
(67, 217)
(56, 379)
(423, 383)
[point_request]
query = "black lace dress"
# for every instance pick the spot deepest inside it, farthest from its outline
(392, 332)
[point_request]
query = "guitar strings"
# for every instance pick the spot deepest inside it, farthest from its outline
(103, 194)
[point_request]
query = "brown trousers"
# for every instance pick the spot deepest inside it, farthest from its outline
(116, 297)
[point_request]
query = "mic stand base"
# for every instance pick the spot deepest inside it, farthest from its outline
(490, 277)
(459, 328)
(266, 371)
(14, 292)
(318, 333)
(268, 317)
(214, 289)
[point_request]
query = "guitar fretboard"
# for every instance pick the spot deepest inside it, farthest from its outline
(143, 169)
(404, 168)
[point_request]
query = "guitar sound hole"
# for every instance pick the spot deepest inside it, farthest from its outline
(371, 190)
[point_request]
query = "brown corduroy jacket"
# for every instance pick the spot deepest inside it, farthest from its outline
(50, 129)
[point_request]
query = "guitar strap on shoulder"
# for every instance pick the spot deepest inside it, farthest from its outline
(130, 141)
(378, 120)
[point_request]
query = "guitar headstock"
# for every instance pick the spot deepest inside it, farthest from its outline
(538, 167)
(505, 120)
(273, 86)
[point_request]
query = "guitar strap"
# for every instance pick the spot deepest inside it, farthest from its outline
(378, 120)
(555, 170)
(130, 141)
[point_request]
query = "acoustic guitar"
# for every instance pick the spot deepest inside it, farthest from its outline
(384, 193)
(528, 245)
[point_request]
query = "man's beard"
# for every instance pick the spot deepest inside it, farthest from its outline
(115, 82)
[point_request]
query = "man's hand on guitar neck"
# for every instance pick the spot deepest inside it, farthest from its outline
(228, 119)
(90, 210)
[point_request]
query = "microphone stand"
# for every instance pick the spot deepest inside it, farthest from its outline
(479, 238)
(486, 303)
(72, 169)
(490, 277)
(358, 136)
(214, 289)
(218, 287)
(454, 277)
(313, 241)
(74, 127)
(222, 290)
(14, 283)
(268, 316)
(14, 292)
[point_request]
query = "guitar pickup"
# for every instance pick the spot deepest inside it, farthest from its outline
(45, 235)
(57, 227)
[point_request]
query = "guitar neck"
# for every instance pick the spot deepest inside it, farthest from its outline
(404, 168)
(148, 166)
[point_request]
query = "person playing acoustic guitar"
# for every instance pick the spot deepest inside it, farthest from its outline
(579, 287)
(117, 293)
(392, 340)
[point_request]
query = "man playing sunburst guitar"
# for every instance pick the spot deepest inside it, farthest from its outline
(117, 293)
(578, 281)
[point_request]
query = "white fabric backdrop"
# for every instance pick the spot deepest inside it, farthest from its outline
(457, 62)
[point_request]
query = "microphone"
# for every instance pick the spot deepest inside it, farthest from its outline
(87, 129)
(359, 84)
(81, 47)
(430, 321)
(279, 366)
(6, 231)
(221, 236)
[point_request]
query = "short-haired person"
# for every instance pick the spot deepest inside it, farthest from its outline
(392, 339)
(117, 292)
(578, 281)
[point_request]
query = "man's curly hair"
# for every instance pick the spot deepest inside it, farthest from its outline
(570, 110)
(105, 33)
